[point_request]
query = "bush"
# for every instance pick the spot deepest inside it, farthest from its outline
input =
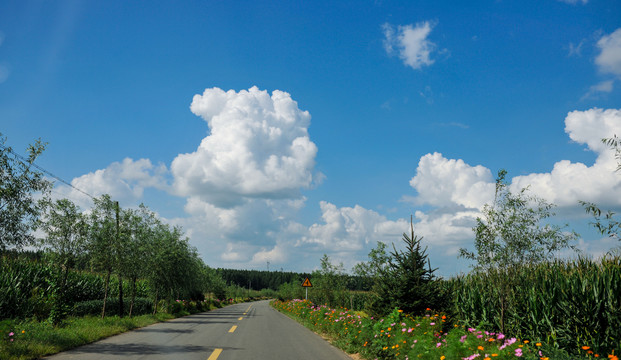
(142, 306)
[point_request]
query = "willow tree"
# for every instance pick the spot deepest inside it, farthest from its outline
(20, 184)
(514, 232)
(65, 236)
(102, 238)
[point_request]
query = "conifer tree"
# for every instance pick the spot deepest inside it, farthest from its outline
(407, 281)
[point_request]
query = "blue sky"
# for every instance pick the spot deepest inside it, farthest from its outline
(280, 131)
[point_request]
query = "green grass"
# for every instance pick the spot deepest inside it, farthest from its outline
(33, 339)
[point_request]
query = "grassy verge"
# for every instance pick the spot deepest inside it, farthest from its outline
(22, 340)
(31, 340)
(433, 336)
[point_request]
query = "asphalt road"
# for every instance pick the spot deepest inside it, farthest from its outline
(242, 331)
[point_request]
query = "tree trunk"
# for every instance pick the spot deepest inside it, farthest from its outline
(155, 304)
(131, 304)
(103, 309)
(120, 295)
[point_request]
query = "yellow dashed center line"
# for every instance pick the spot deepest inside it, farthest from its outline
(241, 317)
(233, 328)
(248, 308)
(214, 355)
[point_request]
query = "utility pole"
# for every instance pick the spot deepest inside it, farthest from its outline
(118, 246)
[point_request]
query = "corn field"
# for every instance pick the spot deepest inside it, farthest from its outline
(566, 303)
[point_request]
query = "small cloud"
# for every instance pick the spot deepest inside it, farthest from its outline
(602, 87)
(574, 2)
(386, 105)
(4, 73)
(575, 50)
(427, 94)
(454, 124)
(609, 60)
(411, 42)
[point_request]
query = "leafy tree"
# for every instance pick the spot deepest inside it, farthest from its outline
(511, 232)
(606, 225)
(329, 284)
(65, 230)
(139, 232)
(102, 238)
(372, 269)
(404, 279)
(615, 144)
(19, 186)
(511, 235)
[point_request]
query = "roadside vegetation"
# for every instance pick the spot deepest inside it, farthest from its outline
(519, 300)
(92, 273)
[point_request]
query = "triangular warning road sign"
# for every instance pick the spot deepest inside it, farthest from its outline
(307, 283)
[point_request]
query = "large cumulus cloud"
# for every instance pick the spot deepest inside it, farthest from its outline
(258, 147)
(569, 182)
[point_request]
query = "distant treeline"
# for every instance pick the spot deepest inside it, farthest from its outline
(261, 279)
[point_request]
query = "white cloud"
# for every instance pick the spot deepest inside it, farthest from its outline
(573, 2)
(603, 87)
(124, 181)
(258, 147)
(569, 182)
(350, 229)
(275, 255)
(575, 50)
(609, 60)
(411, 42)
(442, 182)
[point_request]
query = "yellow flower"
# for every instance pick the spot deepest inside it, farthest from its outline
(586, 347)
(538, 344)
(526, 341)
(400, 311)
(442, 357)
(480, 348)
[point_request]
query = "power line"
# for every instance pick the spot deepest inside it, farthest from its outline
(25, 161)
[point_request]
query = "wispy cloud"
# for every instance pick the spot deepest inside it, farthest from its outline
(411, 43)
(575, 50)
(608, 63)
(574, 2)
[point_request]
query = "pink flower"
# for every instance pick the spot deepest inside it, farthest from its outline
(432, 324)
(518, 352)
(11, 333)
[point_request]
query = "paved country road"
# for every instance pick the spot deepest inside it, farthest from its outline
(242, 331)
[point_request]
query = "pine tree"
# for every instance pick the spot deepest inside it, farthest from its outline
(407, 281)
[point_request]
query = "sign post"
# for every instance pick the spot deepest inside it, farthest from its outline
(306, 284)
